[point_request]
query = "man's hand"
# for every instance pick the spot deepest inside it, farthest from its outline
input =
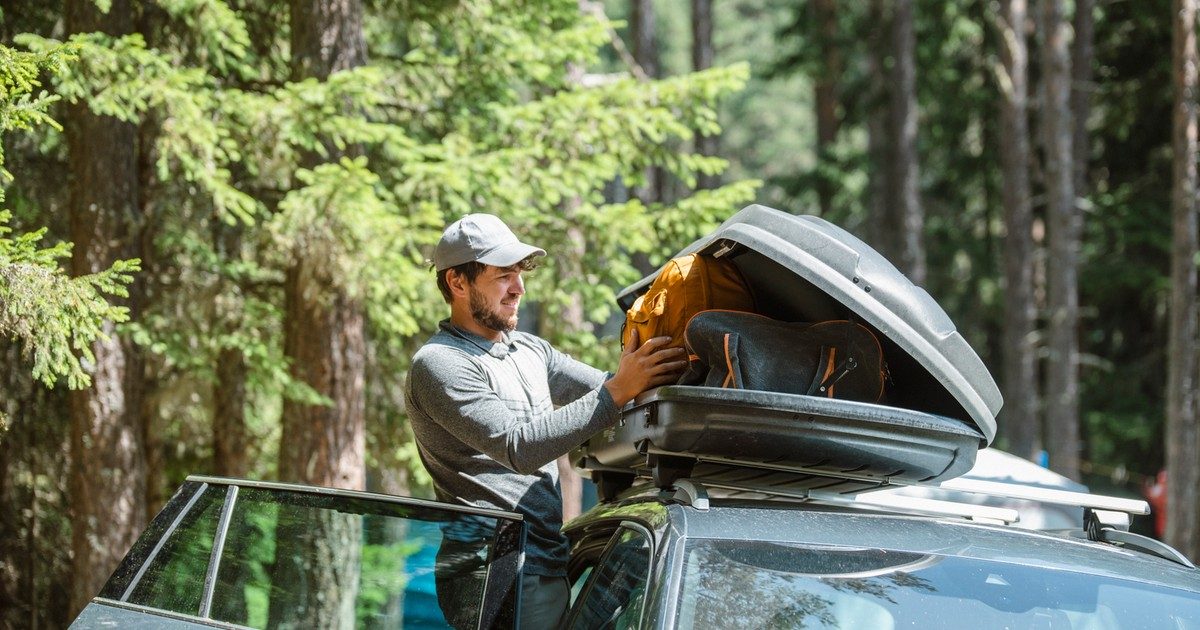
(650, 365)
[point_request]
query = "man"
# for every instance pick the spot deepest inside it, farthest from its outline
(483, 398)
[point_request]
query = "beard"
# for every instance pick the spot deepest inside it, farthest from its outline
(487, 317)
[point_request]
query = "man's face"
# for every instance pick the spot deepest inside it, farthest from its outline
(495, 296)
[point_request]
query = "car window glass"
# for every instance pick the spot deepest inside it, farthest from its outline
(174, 576)
(615, 597)
(756, 584)
(294, 560)
(577, 585)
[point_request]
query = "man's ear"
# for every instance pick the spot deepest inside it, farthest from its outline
(458, 284)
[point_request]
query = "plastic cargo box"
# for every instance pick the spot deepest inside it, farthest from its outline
(942, 400)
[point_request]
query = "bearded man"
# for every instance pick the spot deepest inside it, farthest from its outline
(492, 409)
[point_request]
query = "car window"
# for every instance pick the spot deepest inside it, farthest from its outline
(583, 561)
(303, 560)
(615, 594)
(173, 578)
(755, 584)
(292, 559)
(577, 585)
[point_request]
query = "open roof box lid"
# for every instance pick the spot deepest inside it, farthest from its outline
(942, 403)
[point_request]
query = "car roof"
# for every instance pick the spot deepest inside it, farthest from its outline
(820, 525)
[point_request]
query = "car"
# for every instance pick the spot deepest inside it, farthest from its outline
(236, 553)
(654, 560)
(720, 507)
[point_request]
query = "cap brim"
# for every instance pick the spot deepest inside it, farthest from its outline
(510, 254)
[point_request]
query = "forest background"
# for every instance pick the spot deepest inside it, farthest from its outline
(215, 217)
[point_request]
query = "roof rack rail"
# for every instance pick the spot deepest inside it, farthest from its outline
(1100, 525)
(693, 492)
(1048, 495)
(1106, 518)
(867, 484)
(1118, 509)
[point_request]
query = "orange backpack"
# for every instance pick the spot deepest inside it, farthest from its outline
(686, 285)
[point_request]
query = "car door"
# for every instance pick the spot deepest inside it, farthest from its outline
(612, 589)
(229, 553)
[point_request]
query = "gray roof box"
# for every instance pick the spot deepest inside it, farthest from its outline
(803, 268)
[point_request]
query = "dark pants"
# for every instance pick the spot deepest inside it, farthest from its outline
(543, 602)
(459, 576)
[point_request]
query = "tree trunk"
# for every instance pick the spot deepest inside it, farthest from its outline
(826, 91)
(324, 339)
(326, 36)
(1183, 454)
(878, 138)
(229, 397)
(108, 459)
(1082, 54)
(229, 420)
(1064, 224)
(702, 59)
(323, 325)
(150, 23)
(642, 30)
(1020, 426)
(35, 538)
(907, 217)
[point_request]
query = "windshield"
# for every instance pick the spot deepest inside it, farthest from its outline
(752, 584)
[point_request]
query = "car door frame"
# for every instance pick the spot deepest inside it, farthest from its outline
(592, 535)
(501, 599)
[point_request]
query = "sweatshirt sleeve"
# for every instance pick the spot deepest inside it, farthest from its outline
(453, 391)
(570, 378)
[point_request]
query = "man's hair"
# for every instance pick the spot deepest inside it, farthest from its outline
(471, 270)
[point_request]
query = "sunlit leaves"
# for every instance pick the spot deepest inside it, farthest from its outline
(122, 78)
(219, 30)
(54, 316)
(20, 108)
(462, 107)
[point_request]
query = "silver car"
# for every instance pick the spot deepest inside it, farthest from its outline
(721, 508)
(225, 553)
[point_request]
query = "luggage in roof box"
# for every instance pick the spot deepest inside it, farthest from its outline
(942, 402)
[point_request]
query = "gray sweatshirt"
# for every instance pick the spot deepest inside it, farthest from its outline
(487, 430)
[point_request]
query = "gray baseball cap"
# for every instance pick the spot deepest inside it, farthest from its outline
(483, 238)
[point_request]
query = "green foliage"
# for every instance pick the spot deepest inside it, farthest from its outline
(1123, 278)
(123, 78)
(221, 35)
(383, 576)
(55, 317)
(20, 108)
(463, 107)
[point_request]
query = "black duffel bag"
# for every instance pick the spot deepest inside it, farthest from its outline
(830, 359)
